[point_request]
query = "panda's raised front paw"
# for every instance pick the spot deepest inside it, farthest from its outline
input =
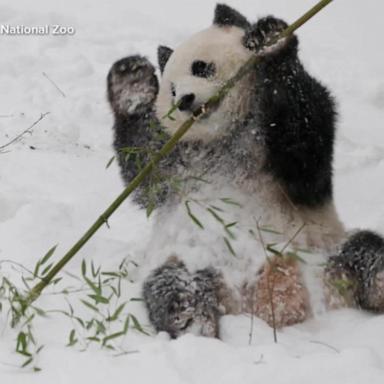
(134, 68)
(261, 35)
(132, 85)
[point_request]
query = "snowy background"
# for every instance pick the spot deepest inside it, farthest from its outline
(54, 183)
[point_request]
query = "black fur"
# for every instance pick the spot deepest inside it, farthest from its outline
(139, 129)
(177, 300)
(163, 55)
(227, 16)
(297, 116)
(361, 259)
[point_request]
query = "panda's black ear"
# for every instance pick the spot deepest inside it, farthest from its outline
(227, 16)
(163, 55)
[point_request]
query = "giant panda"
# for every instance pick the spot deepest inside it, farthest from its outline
(247, 188)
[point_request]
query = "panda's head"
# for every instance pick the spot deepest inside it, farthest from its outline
(197, 68)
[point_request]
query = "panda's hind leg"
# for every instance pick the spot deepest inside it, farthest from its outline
(355, 277)
(279, 296)
(179, 301)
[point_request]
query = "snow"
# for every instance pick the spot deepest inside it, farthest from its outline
(51, 194)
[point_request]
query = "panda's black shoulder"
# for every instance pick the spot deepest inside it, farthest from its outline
(298, 119)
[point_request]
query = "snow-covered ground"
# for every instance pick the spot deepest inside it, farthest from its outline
(54, 183)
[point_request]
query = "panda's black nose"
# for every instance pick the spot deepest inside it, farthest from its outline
(186, 101)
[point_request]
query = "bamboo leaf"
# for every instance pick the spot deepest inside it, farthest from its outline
(83, 268)
(150, 208)
(229, 246)
(192, 216)
(55, 281)
(229, 233)
(39, 311)
(171, 111)
(218, 209)
(269, 230)
(126, 324)
(95, 272)
(216, 216)
(137, 325)
(302, 250)
(89, 305)
(48, 255)
(72, 340)
(111, 160)
(99, 299)
(117, 312)
(24, 280)
(89, 324)
(38, 350)
(94, 338)
(37, 268)
(21, 343)
(113, 274)
(228, 200)
(81, 322)
(113, 336)
(136, 299)
(46, 269)
(27, 362)
(71, 311)
(100, 327)
(93, 286)
(273, 250)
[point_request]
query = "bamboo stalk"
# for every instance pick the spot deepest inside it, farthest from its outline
(35, 292)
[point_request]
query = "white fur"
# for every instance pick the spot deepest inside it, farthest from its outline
(262, 204)
(216, 44)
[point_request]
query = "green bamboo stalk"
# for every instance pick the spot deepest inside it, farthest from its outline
(35, 292)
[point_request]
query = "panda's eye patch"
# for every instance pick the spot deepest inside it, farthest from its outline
(203, 69)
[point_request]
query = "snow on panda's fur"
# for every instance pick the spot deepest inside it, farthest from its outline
(256, 171)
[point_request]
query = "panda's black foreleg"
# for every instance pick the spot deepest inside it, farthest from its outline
(358, 271)
(296, 115)
(179, 302)
(132, 88)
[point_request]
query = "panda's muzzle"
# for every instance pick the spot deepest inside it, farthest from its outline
(185, 103)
